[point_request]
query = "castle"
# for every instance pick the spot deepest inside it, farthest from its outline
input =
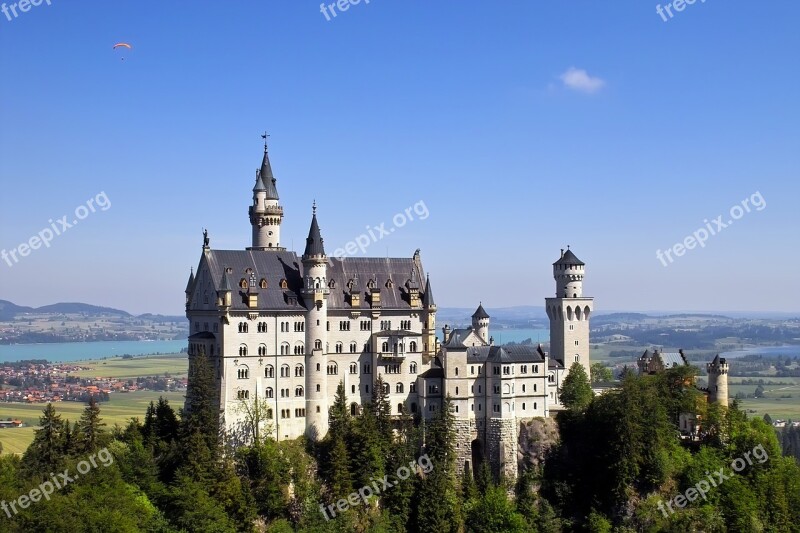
(286, 330)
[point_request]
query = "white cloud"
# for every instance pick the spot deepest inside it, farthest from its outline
(579, 80)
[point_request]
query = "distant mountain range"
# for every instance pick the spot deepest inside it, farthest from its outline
(520, 316)
(10, 310)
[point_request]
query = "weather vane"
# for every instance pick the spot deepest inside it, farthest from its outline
(265, 137)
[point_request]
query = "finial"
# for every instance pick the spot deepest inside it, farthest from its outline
(265, 137)
(205, 238)
(568, 247)
(314, 208)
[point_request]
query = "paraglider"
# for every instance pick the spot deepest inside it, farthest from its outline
(122, 45)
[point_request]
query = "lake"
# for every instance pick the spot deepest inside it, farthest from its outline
(793, 351)
(79, 351)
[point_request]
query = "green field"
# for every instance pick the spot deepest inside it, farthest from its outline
(121, 408)
(176, 365)
(772, 403)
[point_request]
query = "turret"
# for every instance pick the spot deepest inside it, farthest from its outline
(225, 292)
(718, 381)
(315, 293)
(568, 272)
(266, 214)
(189, 289)
(429, 331)
(480, 323)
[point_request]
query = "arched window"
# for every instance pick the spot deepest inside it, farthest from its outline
(243, 372)
(242, 349)
(269, 393)
(262, 349)
(263, 283)
(398, 388)
(400, 408)
(333, 369)
(284, 371)
(385, 347)
(385, 388)
(354, 368)
(353, 347)
(298, 391)
(269, 372)
(353, 409)
(285, 348)
(412, 346)
(412, 368)
(299, 371)
(338, 347)
(317, 344)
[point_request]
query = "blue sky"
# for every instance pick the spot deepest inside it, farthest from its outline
(523, 126)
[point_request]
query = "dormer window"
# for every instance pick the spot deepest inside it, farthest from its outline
(371, 284)
(284, 284)
(389, 283)
(263, 283)
(243, 283)
(332, 284)
(253, 280)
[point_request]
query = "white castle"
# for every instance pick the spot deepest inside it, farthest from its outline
(286, 330)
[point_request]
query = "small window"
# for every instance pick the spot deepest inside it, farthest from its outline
(284, 284)
(263, 283)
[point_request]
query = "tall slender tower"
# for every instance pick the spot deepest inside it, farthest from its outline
(266, 214)
(315, 293)
(569, 313)
(718, 381)
(429, 330)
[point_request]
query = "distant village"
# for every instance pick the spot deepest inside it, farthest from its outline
(41, 382)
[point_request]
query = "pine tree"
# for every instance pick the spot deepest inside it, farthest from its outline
(576, 392)
(46, 453)
(341, 482)
(201, 413)
(339, 419)
(91, 428)
(439, 506)
(166, 423)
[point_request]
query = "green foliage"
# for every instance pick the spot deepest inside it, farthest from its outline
(495, 513)
(601, 373)
(576, 392)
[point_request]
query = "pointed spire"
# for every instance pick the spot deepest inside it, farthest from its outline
(259, 186)
(190, 285)
(314, 244)
(265, 175)
(413, 282)
(480, 312)
(225, 284)
(427, 298)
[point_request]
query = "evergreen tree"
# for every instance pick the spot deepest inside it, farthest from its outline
(45, 454)
(494, 513)
(91, 428)
(576, 392)
(201, 412)
(438, 500)
(341, 482)
(166, 422)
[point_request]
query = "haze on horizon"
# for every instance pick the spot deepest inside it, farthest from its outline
(523, 128)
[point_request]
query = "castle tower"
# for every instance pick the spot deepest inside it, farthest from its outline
(315, 293)
(266, 214)
(429, 331)
(480, 323)
(718, 381)
(569, 313)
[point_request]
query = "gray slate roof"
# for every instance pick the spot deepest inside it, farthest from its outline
(514, 353)
(274, 266)
(314, 244)
(427, 297)
(265, 174)
(480, 312)
(569, 258)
